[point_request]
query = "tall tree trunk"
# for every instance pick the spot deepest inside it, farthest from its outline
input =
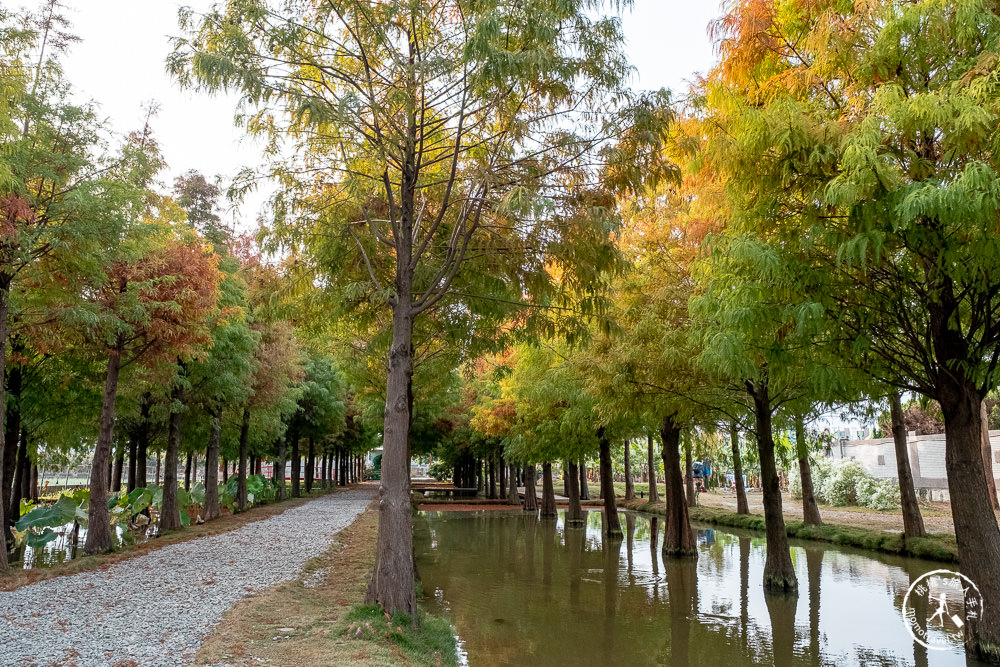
(612, 525)
(512, 497)
(296, 459)
(279, 468)
(33, 495)
(692, 493)
(212, 509)
(548, 492)
(21, 464)
(116, 474)
(492, 475)
(913, 522)
(678, 539)
(629, 485)
(170, 515)
(574, 514)
(188, 462)
(991, 483)
(779, 575)
(654, 491)
(158, 461)
(502, 473)
(480, 483)
(742, 506)
(584, 487)
(530, 493)
(11, 431)
(310, 464)
(393, 585)
(810, 510)
(241, 480)
(4, 479)
(976, 528)
(133, 449)
(142, 441)
(98, 519)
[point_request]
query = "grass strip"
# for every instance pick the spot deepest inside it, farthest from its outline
(939, 547)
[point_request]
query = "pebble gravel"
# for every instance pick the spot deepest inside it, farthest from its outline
(156, 609)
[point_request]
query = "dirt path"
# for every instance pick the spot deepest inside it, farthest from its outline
(937, 516)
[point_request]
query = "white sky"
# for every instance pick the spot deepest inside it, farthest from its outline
(120, 64)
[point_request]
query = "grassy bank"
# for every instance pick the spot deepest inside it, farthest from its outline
(319, 618)
(937, 547)
(15, 578)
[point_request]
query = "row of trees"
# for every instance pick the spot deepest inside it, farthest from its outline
(815, 224)
(132, 319)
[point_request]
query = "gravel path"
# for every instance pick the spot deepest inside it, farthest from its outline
(157, 608)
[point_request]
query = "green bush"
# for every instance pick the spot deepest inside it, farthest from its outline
(841, 486)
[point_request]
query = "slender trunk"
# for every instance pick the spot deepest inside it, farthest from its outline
(10, 432)
(21, 465)
(310, 464)
(976, 528)
(393, 585)
(913, 522)
(742, 506)
(225, 470)
(142, 441)
(678, 539)
(241, 480)
(25, 469)
(502, 473)
(584, 487)
(296, 460)
(530, 494)
(133, 449)
(116, 474)
(654, 491)
(492, 474)
(480, 484)
(99, 521)
(33, 492)
(212, 509)
(188, 462)
(512, 497)
(810, 510)
(574, 514)
(170, 516)
(779, 575)
(548, 492)
(158, 461)
(692, 493)
(991, 484)
(629, 485)
(612, 525)
(279, 468)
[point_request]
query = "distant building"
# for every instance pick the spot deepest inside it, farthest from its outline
(878, 456)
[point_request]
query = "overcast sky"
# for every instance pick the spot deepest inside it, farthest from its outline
(120, 64)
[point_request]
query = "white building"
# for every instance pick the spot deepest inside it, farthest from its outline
(878, 456)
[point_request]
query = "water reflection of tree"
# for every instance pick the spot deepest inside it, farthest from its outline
(814, 568)
(682, 586)
(781, 610)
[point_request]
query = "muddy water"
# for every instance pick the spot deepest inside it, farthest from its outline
(68, 546)
(529, 592)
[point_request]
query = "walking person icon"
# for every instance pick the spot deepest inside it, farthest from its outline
(941, 610)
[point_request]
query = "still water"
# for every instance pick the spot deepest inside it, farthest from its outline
(69, 545)
(524, 591)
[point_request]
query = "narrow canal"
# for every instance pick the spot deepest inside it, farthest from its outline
(524, 591)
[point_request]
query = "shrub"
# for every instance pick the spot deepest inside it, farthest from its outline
(841, 486)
